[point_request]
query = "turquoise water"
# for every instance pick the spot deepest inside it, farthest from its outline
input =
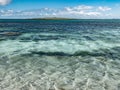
(59, 54)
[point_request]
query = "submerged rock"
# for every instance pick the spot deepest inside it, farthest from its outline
(10, 33)
(1, 39)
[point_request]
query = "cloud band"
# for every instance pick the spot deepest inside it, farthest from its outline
(4, 2)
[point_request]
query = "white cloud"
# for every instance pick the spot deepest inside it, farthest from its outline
(80, 11)
(6, 12)
(104, 8)
(82, 7)
(93, 13)
(78, 8)
(4, 2)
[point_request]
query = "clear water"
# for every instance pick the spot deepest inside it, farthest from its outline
(60, 55)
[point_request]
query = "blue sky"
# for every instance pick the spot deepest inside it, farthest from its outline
(60, 8)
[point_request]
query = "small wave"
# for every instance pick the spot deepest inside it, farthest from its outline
(80, 53)
(108, 53)
(60, 48)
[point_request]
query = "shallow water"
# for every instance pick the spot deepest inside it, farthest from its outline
(60, 55)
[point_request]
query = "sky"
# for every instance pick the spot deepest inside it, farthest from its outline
(82, 9)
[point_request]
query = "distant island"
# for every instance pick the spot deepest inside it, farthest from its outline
(53, 18)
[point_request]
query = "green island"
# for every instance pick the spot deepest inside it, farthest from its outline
(54, 18)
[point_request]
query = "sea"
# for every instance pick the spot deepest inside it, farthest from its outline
(60, 54)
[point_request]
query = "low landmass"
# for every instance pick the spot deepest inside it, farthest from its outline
(53, 18)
